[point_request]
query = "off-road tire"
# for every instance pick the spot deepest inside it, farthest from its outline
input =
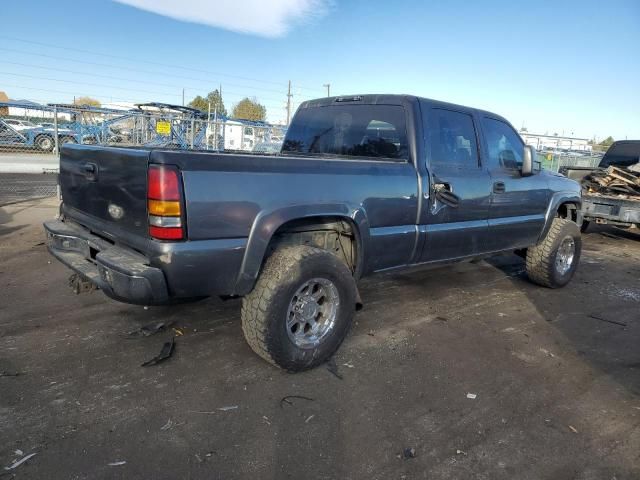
(541, 258)
(264, 310)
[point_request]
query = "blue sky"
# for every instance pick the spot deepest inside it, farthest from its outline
(570, 66)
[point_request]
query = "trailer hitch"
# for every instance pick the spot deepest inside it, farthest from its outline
(81, 284)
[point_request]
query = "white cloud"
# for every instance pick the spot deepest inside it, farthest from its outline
(268, 18)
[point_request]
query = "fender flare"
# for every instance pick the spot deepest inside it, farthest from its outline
(268, 222)
(559, 198)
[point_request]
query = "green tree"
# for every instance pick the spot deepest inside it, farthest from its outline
(250, 109)
(607, 141)
(214, 98)
(86, 101)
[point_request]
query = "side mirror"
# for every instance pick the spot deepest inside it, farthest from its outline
(529, 157)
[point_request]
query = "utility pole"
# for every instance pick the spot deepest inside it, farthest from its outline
(289, 95)
(328, 87)
(183, 97)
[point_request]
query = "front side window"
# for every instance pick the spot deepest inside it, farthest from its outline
(504, 145)
(452, 139)
(368, 131)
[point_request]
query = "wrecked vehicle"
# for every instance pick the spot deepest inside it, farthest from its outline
(363, 184)
(611, 192)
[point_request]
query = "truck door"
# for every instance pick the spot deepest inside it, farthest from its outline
(454, 219)
(518, 204)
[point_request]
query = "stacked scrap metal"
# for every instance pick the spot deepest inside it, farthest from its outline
(614, 181)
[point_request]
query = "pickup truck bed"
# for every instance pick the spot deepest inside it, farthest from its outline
(223, 219)
(611, 192)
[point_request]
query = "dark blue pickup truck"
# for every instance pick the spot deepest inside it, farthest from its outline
(363, 184)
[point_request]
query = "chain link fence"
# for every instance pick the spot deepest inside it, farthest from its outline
(19, 187)
(32, 134)
(29, 128)
(554, 162)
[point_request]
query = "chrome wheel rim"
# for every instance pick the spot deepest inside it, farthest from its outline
(46, 143)
(565, 255)
(312, 312)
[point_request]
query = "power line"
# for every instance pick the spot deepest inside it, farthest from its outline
(109, 98)
(208, 81)
(115, 87)
(149, 62)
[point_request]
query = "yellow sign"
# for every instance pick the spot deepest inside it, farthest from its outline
(163, 128)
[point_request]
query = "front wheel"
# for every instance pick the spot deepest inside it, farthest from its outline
(301, 308)
(552, 262)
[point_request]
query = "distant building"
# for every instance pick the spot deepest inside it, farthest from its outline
(119, 106)
(555, 142)
(27, 109)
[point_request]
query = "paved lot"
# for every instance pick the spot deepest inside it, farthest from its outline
(21, 162)
(556, 374)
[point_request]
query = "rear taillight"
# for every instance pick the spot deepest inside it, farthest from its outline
(164, 203)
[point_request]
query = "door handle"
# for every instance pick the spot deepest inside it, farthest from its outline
(445, 195)
(499, 187)
(90, 171)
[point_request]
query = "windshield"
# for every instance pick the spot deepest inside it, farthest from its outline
(377, 131)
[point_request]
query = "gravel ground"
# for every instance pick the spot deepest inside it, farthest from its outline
(482, 374)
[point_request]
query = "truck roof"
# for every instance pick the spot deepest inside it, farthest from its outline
(399, 99)
(623, 153)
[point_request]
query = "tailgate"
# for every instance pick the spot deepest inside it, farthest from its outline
(106, 183)
(577, 173)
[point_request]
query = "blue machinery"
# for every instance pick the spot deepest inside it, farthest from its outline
(151, 124)
(174, 126)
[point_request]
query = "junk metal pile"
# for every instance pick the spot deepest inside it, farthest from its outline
(622, 182)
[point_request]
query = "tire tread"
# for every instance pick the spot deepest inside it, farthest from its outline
(540, 257)
(255, 306)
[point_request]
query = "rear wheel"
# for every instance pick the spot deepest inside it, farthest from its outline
(44, 143)
(301, 308)
(64, 140)
(555, 259)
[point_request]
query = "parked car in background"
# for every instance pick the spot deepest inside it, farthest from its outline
(29, 135)
(20, 125)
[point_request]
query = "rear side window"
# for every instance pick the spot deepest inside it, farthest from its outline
(366, 131)
(504, 145)
(452, 138)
